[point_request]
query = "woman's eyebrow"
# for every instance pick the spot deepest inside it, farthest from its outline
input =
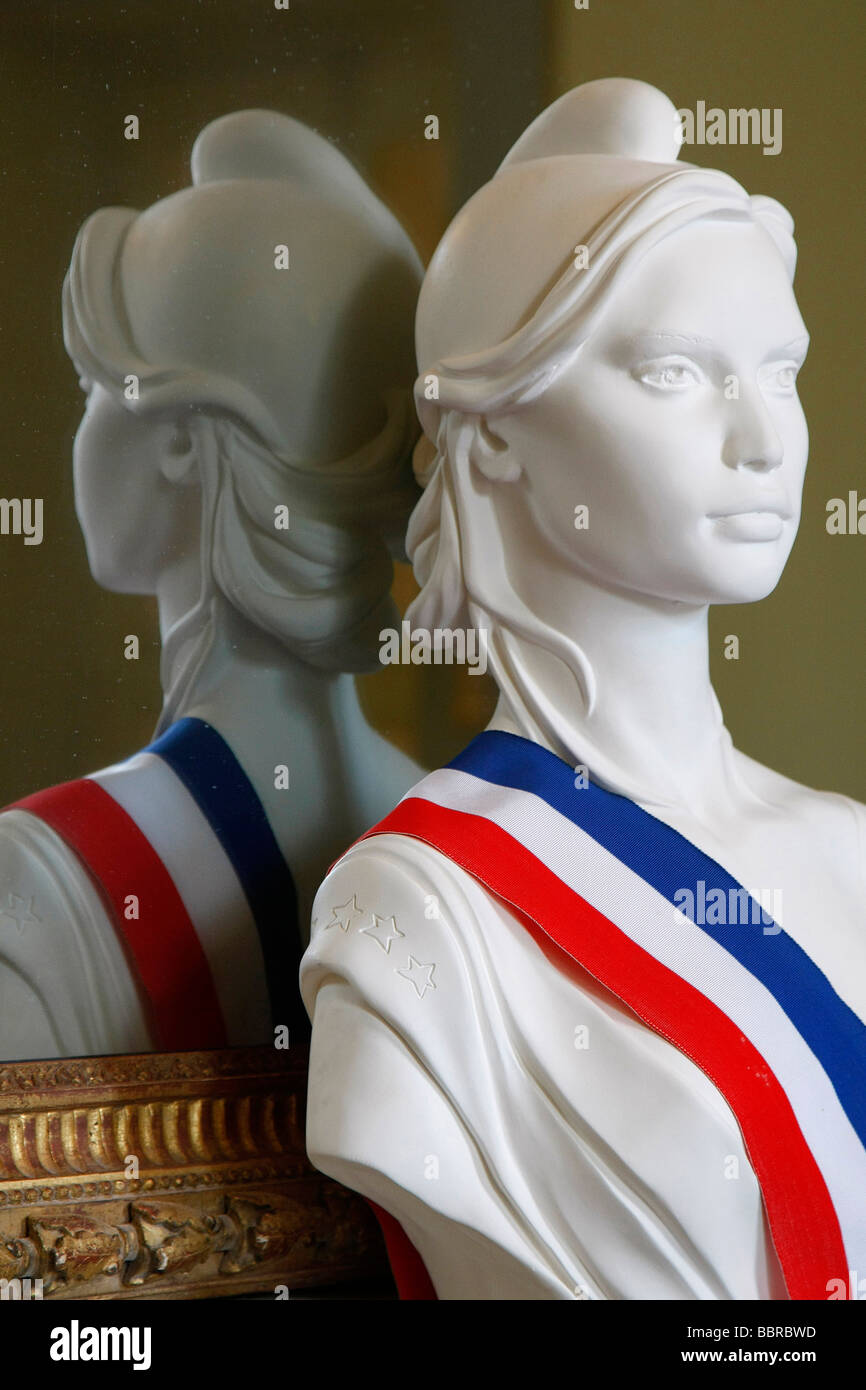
(657, 337)
(653, 341)
(657, 343)
(798, 347)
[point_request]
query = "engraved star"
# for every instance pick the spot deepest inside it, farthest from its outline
(20, 910)
(383, 924)
(416, 969)
(344, 914)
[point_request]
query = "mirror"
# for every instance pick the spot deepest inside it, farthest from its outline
(239, 319)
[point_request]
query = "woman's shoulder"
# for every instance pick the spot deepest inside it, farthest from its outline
(58, 944)
(399, 922)
(384, 873)
(810, 804)
(824, 823)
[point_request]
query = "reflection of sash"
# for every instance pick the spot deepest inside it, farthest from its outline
(601, 878)
(195, 884)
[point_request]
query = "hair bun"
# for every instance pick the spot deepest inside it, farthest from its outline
(269, 145)
(613, 116)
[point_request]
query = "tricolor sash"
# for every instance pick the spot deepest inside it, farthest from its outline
(604, 880)
(196, 886)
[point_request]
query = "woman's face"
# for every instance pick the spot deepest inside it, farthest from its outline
(135, 521)
(678, 426)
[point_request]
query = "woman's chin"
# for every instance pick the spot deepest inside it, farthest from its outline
(117, 577)
(746, 576)
(747, 588)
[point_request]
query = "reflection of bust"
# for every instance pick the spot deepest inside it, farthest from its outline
(559, 1083)
(246, 350)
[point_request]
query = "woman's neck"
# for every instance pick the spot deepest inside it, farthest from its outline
(234, 674)
(655, 726)
(273, 708)
(277, 712)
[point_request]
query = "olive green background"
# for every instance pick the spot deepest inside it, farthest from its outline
(366, 73)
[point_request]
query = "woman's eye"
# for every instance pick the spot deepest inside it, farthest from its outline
(782, 379)
(670, 376)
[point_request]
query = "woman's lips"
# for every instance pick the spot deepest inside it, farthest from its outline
(758, 525)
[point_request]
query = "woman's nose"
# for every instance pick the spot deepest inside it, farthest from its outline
(752, 440)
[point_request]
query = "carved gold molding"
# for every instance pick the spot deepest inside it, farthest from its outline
(170, 1175)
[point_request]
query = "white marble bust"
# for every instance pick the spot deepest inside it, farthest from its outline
(245, 347)
(603, 327)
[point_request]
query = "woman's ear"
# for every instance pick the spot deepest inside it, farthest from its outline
(178, 455)
(492, 455)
